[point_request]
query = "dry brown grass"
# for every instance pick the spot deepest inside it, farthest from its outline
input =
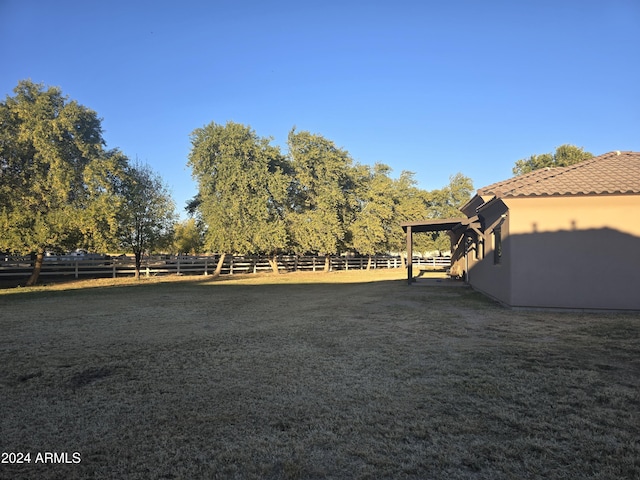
(345, 375)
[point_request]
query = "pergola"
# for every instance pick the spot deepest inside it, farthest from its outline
(430, 225)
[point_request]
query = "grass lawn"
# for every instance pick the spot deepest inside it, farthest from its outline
(340, 375)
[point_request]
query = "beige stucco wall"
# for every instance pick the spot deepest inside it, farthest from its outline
(549, 214)
(574, 252)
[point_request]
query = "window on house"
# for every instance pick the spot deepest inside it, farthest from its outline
(497, 246)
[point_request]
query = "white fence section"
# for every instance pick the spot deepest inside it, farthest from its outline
(199, 265)
(432, 262)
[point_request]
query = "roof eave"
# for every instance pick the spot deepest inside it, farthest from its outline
(434, 224)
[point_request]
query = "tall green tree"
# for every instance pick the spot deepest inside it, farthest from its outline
(100, 219)
(323, 195)
(50, 148)
(146, 214)
(187, 237)
(445, 203)
(243, 186)
(376, 215)
(564, 156)
(410, 205)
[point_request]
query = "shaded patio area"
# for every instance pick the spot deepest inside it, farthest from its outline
(426, 278)
(433, 225)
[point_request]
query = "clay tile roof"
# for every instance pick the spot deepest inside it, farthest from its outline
(611, 173)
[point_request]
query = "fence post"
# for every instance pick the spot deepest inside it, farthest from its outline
(178, 266)
(76, 269)
(113, 264)
(206, 259)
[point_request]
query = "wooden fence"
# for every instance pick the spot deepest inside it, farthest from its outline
(199, 265)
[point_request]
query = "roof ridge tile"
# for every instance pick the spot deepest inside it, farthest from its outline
(609, 173)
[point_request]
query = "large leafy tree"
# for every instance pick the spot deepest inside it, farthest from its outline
(324, 200)
(187, 237)
(376, 215)
(146, 213)
(51, 157)
(564, 156)
(101, 217)
(243, 186)
(410, 205)
(445, 203)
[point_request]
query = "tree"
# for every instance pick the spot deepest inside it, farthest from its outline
(187, 237)
(410, 204)
(564, 156)
(146, 212)
(445, 203)
(323, 200)
(375, 218)
(101, 220)
(50, 148)
(242, 190)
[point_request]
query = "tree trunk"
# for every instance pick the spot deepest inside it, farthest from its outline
(37, 266)
(369, 263)
(219, 266)
(274, 264)
(138, 263)
(327, 263)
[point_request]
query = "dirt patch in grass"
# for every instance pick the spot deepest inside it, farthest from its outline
(346, 375)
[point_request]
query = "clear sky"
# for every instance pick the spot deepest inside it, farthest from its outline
(434, 87)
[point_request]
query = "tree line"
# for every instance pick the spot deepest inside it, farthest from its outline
(62, 189)
(254, 199)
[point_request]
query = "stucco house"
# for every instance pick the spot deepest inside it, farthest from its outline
(554, 238)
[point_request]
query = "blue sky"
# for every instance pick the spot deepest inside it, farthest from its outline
(432, 87)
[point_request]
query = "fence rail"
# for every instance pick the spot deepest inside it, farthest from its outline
(200, 265)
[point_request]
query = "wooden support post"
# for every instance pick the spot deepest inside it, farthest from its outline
(409, 255)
